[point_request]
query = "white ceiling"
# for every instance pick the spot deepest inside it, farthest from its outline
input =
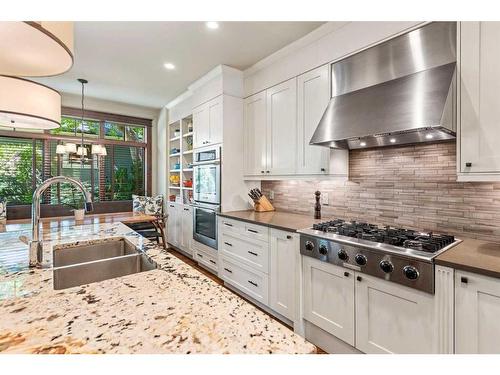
(123, 61)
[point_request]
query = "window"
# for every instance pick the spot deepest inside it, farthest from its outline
(28, 158)
(71, 126)
(21, 161)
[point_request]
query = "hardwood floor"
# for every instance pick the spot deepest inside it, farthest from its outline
(219, 281)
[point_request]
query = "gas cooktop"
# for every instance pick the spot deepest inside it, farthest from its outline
(428, 242)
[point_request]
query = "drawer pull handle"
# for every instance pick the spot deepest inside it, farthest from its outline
(251, 282)
(468, 164)
(288, 237)
(186, 209)
(251, 252)
(229, 225)
(228, 270)
(228, 244)
(212, 261)
(201, 256)
(464, 280)
(253, 231)
(346, 274)
(359, 278)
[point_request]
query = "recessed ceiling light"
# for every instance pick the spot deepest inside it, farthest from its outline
(429, 136)
(169, 66)
(212, 25)
(392, 140)
(362, 144)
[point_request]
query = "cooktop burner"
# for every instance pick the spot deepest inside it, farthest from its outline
(427, 242)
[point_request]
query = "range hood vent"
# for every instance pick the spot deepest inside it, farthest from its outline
(401, 91)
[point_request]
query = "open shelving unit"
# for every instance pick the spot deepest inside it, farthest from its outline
(180, 160)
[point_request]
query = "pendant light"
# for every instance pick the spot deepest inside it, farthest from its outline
(35, 49)
(28, 105)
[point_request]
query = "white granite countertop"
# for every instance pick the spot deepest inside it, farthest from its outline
(173, 309)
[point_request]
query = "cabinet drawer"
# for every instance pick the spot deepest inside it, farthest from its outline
(257, 232)
(254, 254)
(230, 226)
(253, 283)
(206, 259)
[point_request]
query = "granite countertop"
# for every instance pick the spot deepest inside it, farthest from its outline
(472, 255)
(288, 221)
(173, 309)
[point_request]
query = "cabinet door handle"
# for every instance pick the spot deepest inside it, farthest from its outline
(228, 224)
(253, 231)
(267, 171)
(288, 237)
(261, 171)
(359, 278)
(346, 274)
(468, 164)
(251, 252)
(464, 280)
(212, 261)
(253, 283)
(201, 256)
(228, 270)
(323, 169)
(186, 209)
(228, 244)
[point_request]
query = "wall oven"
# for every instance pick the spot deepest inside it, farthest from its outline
(206, 195)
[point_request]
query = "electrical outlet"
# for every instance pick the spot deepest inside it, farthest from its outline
(271, 194)
(324, 199)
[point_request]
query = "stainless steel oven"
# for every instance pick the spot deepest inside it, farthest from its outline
(206, 174)
(205, 224)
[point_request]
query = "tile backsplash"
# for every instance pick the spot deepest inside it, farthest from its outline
(412, 186)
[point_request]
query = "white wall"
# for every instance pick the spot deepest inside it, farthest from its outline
(94, 104)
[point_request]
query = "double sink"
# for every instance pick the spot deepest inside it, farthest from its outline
(79, 264)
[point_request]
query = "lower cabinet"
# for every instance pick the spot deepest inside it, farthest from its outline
(329, 298)
(477, 312)
(391, 318)
(282, 273)
(174, 223)
(186, 237)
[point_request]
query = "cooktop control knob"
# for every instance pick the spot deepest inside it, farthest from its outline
(323, 250)
(411, 272)
(386, 266)
(309, 245)
(342, 254)
(360, 259)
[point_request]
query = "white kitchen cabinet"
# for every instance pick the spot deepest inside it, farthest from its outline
(329, 298)
(479, 112)
(281, 110)
(255, 147)
(313, 95)
(207, 123)
(477, 312)
(391, 318)
(186, 237)
(174, 223)
(283, 272)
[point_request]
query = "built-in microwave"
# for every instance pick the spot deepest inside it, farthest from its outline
(206, 176)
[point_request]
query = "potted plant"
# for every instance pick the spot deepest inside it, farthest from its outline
(78, 205)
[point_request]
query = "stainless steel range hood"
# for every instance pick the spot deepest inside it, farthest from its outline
(398, 92)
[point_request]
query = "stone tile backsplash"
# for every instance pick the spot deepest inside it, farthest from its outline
(412, 186)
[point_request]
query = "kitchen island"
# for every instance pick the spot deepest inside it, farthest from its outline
(173, 309)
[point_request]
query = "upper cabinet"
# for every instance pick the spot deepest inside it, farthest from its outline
(313, 95)
(207, 123)
(255, 147)
(280, 121)
(479, 112)
(281, 106)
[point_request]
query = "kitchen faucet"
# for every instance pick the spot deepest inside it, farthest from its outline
(35, 245)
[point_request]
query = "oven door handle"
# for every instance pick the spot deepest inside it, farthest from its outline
(208, 162)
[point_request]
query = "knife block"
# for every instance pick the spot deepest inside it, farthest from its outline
(263, 205)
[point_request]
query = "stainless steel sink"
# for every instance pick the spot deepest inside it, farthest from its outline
(89, 252)
(90, 263)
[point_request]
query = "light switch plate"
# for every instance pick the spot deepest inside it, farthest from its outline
(324, 199)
